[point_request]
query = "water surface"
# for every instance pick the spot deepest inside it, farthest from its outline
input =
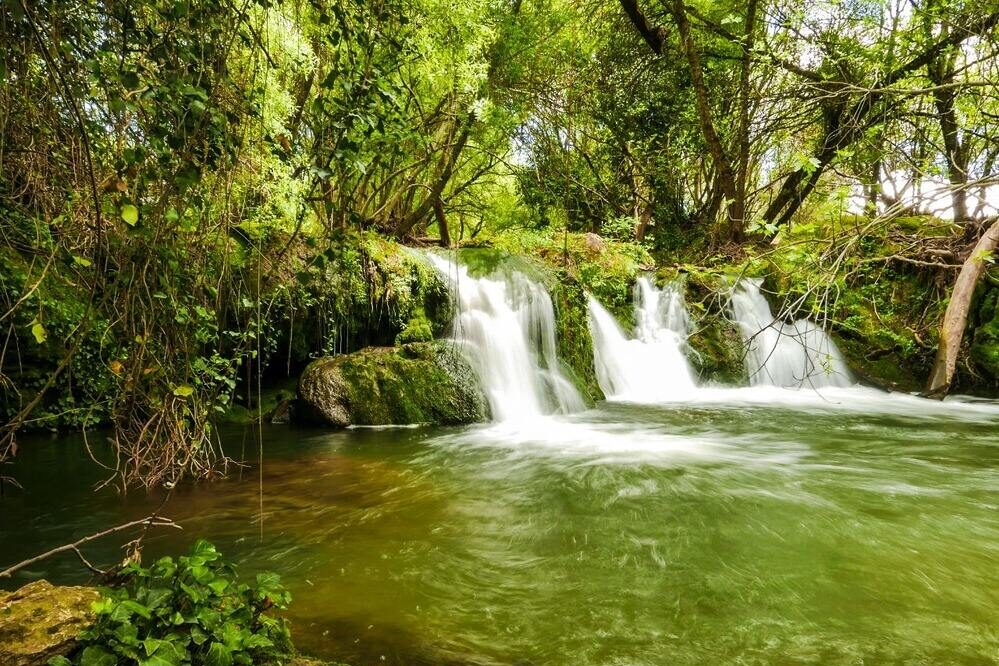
(746, 527)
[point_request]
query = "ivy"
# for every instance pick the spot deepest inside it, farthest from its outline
(189, 611)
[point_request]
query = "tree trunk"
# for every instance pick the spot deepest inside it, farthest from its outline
(723, 165)
(442, 223)
(449, 160)
(742, 162)
(942, 74)
(956, 318)
(874, 189)
(725, 173)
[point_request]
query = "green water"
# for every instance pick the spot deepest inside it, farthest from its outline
(725, 533)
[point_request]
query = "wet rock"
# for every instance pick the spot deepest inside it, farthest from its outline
(40, 621)
(717, 350)
(416, 383)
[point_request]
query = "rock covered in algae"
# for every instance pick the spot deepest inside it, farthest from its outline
(415, 383)
(40, 621)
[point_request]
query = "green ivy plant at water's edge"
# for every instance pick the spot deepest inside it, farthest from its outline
(191, 610)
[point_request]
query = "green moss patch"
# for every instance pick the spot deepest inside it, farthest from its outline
(415, 383)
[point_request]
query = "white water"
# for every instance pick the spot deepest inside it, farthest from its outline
(651, 366)
(780, 354)
(506, 326)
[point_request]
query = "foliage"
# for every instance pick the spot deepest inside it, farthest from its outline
(191, 610)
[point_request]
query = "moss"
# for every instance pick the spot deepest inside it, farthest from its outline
(985, 337)
(361, 290)
(418, 329)
(40, 621)
(415, 383)
(718, 350)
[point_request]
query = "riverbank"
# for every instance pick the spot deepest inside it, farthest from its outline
(46, 625)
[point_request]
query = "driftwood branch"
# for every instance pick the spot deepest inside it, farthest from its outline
(148, 521)
(956, 317)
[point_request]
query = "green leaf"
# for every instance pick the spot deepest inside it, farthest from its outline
(183, 391)
(269, 584)
(156, 596)
(218, 585)
(205, 549)
(127, 634)
(38, 331)
(218, 655)
(163, 653)
(82, 261)
(160, 660)
(59, 660)
(124, 611)
(257, 641)
(95, 655)
(130, 214)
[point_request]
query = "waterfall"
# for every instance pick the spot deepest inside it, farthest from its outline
(651, 366)
(780, 354)
(505, 325)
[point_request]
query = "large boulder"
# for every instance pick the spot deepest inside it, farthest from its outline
(40, 621)
(427, 382)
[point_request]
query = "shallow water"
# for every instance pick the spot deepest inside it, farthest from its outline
(738, 527)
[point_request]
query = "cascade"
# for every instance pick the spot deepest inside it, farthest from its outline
(780, 354)
(505, 324)
(651, 366)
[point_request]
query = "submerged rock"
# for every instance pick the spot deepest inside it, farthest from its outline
(416, 383)
(40, 621)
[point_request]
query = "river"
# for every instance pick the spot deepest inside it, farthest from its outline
(743, 527)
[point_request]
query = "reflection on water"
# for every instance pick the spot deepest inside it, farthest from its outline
(827, 530)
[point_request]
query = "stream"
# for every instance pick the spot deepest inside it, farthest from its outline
(821, 530)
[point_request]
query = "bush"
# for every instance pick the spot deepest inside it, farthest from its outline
(189, 611)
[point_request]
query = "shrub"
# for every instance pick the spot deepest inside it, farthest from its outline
(189, 611)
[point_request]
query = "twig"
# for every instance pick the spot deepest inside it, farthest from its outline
(148, 521)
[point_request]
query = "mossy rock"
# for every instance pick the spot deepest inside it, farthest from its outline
(41, 621)
(985, 339)
(717, 350)
(415, 383)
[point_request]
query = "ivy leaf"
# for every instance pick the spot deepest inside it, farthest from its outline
(97, 656)
(218, 655)
(38, 331)
(124, 611)
(130, 214)
(163, 653)
(183, 391)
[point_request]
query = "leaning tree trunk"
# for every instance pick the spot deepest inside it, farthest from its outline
(956, 318)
